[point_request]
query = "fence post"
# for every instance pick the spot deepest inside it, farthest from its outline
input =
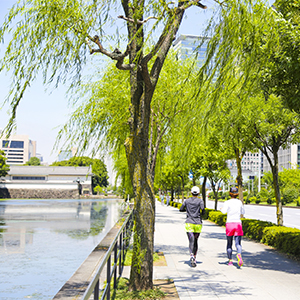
(108, 279)
(115, 264)
(96, 291)
(121, 254)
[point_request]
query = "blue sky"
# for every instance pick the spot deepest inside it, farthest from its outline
(40, 113)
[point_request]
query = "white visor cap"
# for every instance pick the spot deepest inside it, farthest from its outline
(195, 190)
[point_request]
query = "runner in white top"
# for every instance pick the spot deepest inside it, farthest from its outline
(234, 209)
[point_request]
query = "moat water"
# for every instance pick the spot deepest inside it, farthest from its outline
(43, 242)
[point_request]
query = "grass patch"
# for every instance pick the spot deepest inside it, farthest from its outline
(122, 292)
(157, 257)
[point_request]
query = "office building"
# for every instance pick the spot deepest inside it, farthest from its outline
(18, 149)
(66, 154)
(40, 157)
(191, 45)
(287, 158)
(251, 163)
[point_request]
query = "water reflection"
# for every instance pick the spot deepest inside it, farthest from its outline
(43, 242)
(97, 217)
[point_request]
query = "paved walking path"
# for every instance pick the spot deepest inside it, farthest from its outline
(265, 274)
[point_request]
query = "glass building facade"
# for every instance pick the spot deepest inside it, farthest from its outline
(191, 45)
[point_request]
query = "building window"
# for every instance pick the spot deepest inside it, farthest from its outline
(12, 144)
(17, 151)
(29, 178)
(5, 144)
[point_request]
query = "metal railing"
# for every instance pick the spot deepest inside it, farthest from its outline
(118, 249)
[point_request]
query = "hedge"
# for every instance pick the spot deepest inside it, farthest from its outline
(285, 239)
(282, 238)
(254, 229)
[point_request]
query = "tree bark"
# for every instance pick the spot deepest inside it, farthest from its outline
(239, 177)
(274, 168)
(143, 85)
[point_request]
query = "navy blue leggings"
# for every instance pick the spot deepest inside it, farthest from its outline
(193, 242)
(238, 246)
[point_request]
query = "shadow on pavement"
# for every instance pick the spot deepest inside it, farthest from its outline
(167, 249)
(220, 288)
(271, 259)
(214, 235)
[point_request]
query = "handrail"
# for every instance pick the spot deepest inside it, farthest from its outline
(95, 282)
(86, 280)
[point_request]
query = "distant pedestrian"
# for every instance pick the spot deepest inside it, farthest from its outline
(193, 223)
(234, 209)
(168, 199)
(162, 198)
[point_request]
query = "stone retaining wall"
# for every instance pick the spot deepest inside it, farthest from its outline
(38, 193)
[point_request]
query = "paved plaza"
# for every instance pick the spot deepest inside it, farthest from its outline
(265, 275)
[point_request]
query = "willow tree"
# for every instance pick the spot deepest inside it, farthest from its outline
(282, 74)
(231, 119)
(274, 126)
(52, 38)
(101, 118)
(253, 37)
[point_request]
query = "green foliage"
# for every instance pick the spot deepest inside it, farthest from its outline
(33, 161)
(99, 170)
(289, 195)
(207, 213)
(123, 293)
(100, 174)
(290, 177)
(267, 180)
(249, 47)
(254, 228)
(283, 238)
(4, 168)
(282, 74)
(128, 257)
(218, 217)
(98, 189)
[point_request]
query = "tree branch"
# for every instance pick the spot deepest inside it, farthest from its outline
(115, 55)
(136, 21)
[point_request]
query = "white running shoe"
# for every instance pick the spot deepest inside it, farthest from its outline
(193, 261)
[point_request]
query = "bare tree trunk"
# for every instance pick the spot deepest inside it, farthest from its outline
(239, 177)
(213, 186)
(274, 168)
(141, 275)
(182, 182)
(143, 83)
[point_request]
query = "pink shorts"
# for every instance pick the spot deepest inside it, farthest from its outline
(234, 229)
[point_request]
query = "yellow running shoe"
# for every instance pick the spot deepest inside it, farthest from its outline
(240, 260)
